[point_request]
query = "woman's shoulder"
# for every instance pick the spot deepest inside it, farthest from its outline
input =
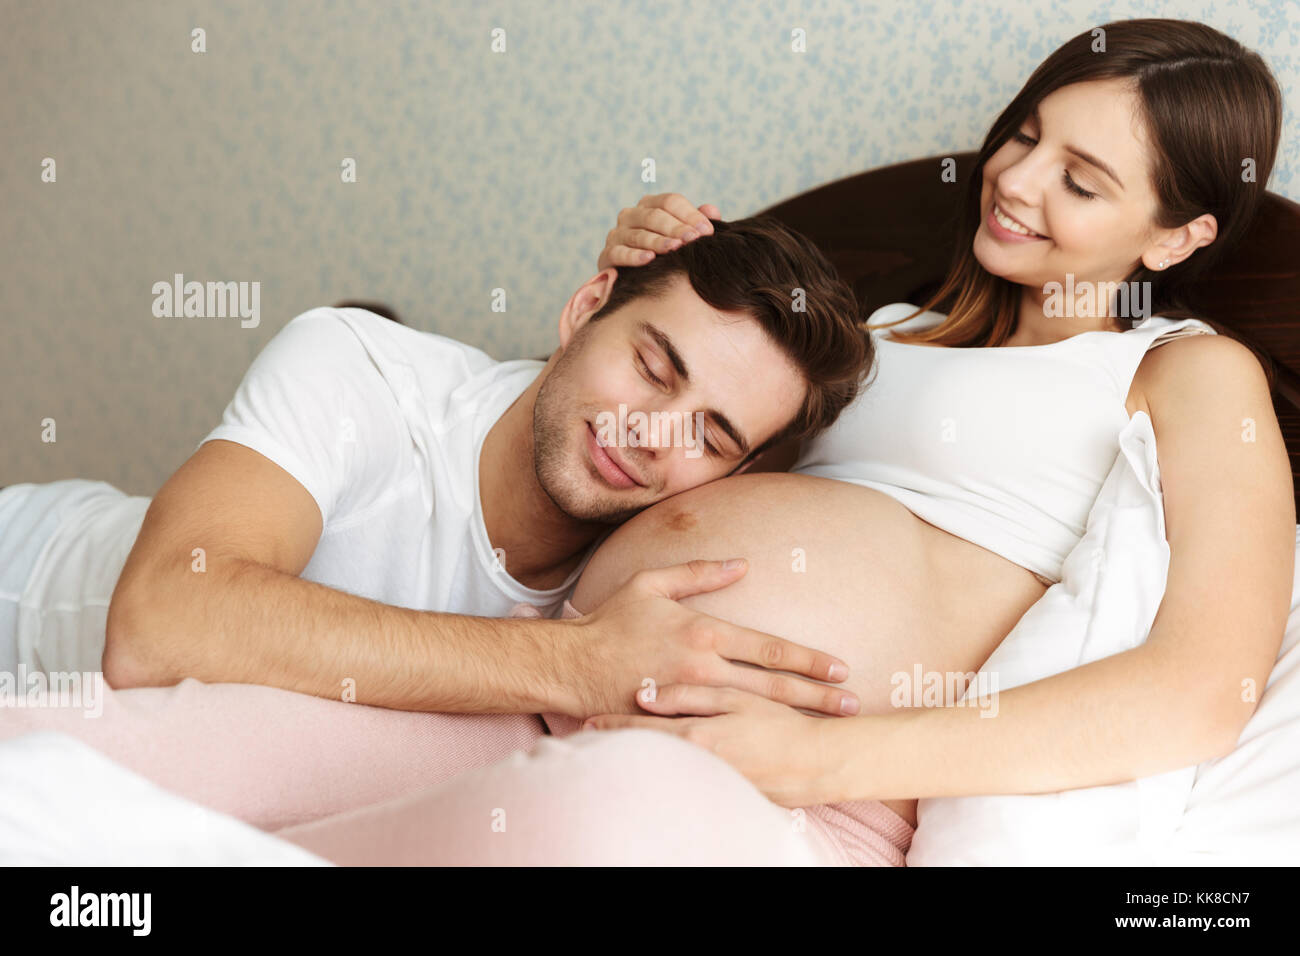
(1186, 359)
(1208, 358)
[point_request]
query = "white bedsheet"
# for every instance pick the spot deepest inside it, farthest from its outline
(63, 803)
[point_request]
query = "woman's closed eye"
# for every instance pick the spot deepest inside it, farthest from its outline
(1074, 187)
(1067, 180)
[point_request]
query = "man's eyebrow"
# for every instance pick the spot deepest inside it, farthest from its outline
(1086, 157)
(679, 366)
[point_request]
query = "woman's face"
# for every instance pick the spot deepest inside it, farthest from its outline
(1075, 178)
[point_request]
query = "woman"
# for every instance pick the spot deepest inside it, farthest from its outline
(1172, 198)
(920, 528)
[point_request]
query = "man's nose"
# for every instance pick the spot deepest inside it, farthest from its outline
(663, 426)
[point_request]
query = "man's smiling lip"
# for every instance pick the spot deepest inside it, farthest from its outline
(610, 455)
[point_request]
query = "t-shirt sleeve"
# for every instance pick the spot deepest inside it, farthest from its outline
(314, 402)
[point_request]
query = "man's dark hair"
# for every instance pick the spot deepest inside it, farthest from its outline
(755, 266)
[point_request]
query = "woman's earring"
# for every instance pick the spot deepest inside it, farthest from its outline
(1163, 263)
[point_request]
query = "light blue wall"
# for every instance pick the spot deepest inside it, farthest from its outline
(476, 170)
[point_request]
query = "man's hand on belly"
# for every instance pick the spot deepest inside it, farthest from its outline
(640, 638)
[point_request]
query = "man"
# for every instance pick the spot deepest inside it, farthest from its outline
(376, 499)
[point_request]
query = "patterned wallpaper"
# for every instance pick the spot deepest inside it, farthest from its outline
(475, 169)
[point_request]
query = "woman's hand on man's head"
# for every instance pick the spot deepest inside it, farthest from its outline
(655, 224)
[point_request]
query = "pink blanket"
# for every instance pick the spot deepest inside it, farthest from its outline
(274, 757)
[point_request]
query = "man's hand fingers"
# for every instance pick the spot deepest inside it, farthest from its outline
(693, 577)
(795, 691)
(695, 700)
(777, 654)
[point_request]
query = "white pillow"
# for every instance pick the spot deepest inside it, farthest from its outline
(1112, 585)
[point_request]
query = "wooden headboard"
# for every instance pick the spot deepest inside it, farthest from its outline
(890, 231)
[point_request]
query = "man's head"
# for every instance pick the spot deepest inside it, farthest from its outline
(747, 334)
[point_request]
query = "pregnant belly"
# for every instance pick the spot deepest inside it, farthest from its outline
(837, 567)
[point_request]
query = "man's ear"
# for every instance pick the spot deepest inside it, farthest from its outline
(586, 302)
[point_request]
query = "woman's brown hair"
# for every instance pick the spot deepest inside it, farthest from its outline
(1208, 105)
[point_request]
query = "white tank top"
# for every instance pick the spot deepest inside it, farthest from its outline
(1005, 447)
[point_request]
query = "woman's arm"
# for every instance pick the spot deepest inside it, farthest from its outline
(1182, 697)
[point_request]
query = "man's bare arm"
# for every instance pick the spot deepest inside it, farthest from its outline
(249, 618)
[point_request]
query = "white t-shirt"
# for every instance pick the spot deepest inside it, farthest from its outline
(383, 425)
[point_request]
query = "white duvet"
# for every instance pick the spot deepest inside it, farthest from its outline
(1242, 809)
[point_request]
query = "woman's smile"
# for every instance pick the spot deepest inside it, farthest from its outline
(1005, 228)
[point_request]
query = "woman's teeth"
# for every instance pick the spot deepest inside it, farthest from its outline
(1009, 224)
